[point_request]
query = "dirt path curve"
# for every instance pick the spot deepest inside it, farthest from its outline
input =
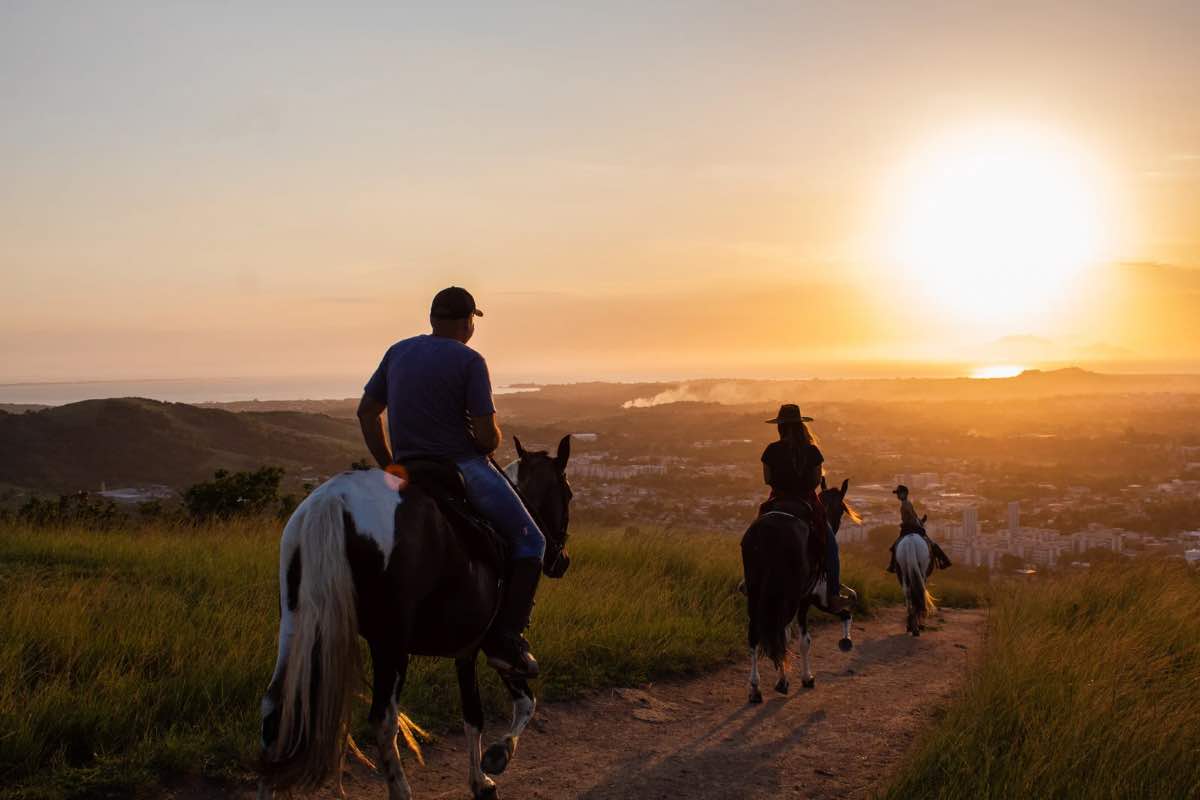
(700, 739)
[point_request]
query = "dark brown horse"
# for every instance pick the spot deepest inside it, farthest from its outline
(782, 569)
(360, 558)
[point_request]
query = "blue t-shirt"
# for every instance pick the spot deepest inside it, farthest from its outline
(430, 385)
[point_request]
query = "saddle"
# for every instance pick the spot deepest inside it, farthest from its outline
(441, 480)
(801, 511)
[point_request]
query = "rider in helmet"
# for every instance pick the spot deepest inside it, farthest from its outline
(438, 397)
(792, 467)
(911, 523)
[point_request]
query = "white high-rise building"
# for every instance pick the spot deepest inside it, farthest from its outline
(970, 522)
(1014, 515)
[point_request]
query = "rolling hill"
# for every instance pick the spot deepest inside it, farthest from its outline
(134, 441)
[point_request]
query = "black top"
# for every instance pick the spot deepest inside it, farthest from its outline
(791, 466)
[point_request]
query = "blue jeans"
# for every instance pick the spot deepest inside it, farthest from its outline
(833, 565)
(493, 497)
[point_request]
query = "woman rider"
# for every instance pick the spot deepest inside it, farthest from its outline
(792, 467)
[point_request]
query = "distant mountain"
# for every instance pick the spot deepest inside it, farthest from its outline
(20, 408)
(137, 442)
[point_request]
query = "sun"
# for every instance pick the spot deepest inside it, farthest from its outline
(995, 223)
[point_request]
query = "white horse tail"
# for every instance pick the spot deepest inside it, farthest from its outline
(912, 557)
(919, 598)
(323, 664)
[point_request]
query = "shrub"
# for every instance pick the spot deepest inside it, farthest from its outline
(231, 494)
(82, 510)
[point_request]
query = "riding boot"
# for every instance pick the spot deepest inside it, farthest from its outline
(505, 645)
(939, 555)
(892, 565)
(835, 603)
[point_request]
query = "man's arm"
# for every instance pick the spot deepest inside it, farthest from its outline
(370, 419)
(486, 433)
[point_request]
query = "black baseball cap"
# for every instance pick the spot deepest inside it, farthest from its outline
(454, 302)
(899, 490)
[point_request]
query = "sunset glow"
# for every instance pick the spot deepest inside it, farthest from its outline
(997, 223)
(997, 371)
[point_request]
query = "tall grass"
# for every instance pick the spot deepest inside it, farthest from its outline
(128, 655)
(1089, 687)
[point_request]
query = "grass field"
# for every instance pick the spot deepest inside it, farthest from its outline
(1089, 687)
(125, 656)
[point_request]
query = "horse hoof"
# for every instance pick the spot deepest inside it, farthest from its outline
(845, 645)
(495, 759)
(782, 686)
(808, 683)
(487, 793)
(755, 695)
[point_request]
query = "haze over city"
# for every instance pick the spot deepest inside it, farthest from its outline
(683, 190)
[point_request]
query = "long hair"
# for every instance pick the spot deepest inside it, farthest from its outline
(805, 433)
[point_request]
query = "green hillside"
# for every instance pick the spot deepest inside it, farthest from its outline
(133, 441)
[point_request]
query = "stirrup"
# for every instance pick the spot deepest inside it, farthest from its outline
(500, 657)
(527, 670)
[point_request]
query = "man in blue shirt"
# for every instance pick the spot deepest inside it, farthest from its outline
(438, 398)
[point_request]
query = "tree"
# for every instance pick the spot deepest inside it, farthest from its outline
(82, 509)
(231, 494)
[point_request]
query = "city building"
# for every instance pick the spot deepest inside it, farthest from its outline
(970, 522)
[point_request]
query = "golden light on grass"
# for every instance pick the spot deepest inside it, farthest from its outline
(995, 223)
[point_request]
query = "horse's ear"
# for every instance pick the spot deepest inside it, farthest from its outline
(564, 453)
(845, 486)
(823, 486)
(520, 450)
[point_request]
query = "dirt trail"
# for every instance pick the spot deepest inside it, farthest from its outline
(700, 738)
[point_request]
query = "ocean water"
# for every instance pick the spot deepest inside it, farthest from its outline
(216, 390)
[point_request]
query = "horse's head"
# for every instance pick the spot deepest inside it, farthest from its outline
(836, 505)
(542, 482)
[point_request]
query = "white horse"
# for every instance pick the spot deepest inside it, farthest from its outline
(913, 568)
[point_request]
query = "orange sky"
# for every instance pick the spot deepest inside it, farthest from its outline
(690, 190)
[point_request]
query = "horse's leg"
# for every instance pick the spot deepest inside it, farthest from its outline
(270, 707)
(270, 720)
(846, 644)
(384, 716)
(807, 679)
(789, 635)
(496, 758)
(482, 787)
(755, 694)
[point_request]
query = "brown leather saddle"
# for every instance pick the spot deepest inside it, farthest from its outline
(441, 480)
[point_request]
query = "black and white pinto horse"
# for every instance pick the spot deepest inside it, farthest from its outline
(914, 565)
(359, 557)
(783, 578)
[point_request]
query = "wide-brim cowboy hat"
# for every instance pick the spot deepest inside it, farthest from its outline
(789, 412)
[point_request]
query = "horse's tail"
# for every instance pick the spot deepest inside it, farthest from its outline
(920, 601)
(773, 600)
(323, 664)
(770, 616)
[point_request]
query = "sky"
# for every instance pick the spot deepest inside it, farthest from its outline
(629, 189)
